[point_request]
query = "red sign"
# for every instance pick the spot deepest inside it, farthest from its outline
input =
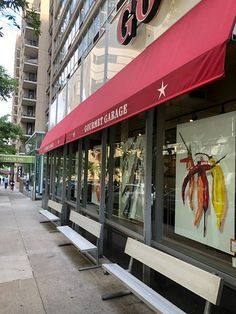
(134, 12)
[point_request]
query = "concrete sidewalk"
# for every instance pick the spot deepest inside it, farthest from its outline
(38, 276)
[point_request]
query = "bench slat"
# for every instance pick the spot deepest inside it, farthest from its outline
(86, 223)
(145, 293)
(201, 282)
(49, 215)
(81, 243)
(56, 206)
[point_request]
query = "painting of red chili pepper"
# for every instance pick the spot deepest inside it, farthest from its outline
(189, 164)
(205, 182)
(201, 169)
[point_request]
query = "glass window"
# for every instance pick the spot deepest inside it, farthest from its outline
(61, 104)
(72, 172)
(103, 13)
(80, 49)
(93, 69)
(199, 171)
(111, 5)
(129, 172)
(74, 90)
(52, 114)
(94, 171)
(50, 172)
(85, 9)
(91, 33)
(59, 172)
(77, 23)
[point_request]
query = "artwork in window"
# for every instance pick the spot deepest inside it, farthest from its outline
(205, 181)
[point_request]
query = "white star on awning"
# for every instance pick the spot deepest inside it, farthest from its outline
(162, 89)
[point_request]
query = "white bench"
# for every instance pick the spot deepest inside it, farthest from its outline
(57, 207)
(80, 242)
(206, 285)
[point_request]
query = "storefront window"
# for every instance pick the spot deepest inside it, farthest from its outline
(50, 172)
(73, 164)
(94, 171)
(59, 172)
(128, 173)
(199, 171)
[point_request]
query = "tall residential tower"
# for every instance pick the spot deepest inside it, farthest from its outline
(31, 55)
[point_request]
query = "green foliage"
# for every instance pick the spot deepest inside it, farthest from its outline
(9, 9)
(32, 19)
(7, 84)
(8, 132)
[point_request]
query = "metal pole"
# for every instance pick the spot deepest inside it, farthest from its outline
(64, 216)
(148, 187)
(79, 185)
(46, 185)
(85, 190)
(35, 176)
(159, 177)
(53, 172)
(103, 188)
(111, 165)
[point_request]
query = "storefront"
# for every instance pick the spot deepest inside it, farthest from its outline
(33, 180)
(151, 154)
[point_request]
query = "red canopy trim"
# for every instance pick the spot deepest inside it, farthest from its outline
(189, 55)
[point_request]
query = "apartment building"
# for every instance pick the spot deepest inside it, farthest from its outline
(31, 55)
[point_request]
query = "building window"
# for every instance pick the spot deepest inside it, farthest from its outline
(29, 128)
(31, 94)
(199, 173)
(94, 171)
(72, 168)
(58, 172)
(128, 173)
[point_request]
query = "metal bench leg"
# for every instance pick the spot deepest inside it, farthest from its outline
(92, 266)
(89, 267)
(207, 309)
(117, 294)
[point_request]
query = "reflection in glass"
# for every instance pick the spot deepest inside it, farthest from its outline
(59, 173)
(72, 169)
(94, 170)
(128, 174)
(61, 104)
(52, 114)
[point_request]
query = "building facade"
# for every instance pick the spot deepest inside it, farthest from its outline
(30, 103)
(142, 110)
(29, 100)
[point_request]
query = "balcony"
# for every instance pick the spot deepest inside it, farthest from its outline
(30, 65)
(31, 48)
(29, 81)
(28, 117)
(29, 100)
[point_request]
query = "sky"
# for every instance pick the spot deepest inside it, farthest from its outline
(7, 51)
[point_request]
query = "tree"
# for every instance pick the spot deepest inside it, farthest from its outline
(7, 84)
(8, 132)
(9, 9)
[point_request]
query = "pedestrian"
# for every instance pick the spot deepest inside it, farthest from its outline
(12, 184)
(6, 182)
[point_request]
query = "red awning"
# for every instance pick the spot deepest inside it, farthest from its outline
(189, 55)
